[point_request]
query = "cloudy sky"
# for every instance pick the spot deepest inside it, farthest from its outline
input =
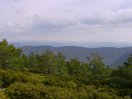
(66, 20)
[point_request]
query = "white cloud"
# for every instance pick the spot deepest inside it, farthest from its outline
(66, 20)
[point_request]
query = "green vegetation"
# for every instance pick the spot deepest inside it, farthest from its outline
(49, 76)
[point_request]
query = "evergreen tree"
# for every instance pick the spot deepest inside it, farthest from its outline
(74, 67)
(9, 55)
(61, 64)
(97, 66)
(48, 63)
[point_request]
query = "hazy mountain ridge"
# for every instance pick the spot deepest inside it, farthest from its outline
(82, 44)
(112, 56)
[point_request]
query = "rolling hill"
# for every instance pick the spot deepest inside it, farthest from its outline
(112, 56)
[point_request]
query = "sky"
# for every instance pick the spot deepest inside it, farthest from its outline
(66, 20)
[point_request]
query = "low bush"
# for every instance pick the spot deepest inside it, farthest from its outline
(25, 91)
(2, 94)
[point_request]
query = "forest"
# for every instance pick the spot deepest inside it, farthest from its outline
(50, 76)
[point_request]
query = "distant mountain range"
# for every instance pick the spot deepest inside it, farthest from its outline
(112, 56)
(82, 44)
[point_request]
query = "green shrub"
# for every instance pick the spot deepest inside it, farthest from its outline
(9, 77)
(60, 83)
(3, 95)
(25, 91)
(38, 91)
